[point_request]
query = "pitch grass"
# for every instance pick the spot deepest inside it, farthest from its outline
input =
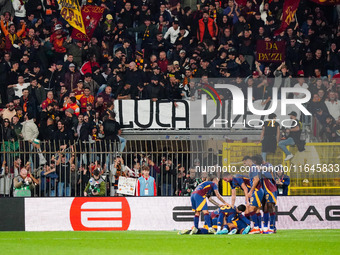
(162, 242)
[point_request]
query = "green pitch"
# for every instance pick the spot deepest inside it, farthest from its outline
(161, 242)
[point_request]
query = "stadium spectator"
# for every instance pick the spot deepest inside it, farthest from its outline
(329, 129)
(63, 169)
(168, 177)
(270, 136)
(333, 105)
(116, 170)
(8, 112)
(91, 84)
(84, 177)
(282, 183)
(293, 137)
(72, 77)
(22, 184)
(6, 180)
(29, 130)
(190, 183)
(7, 133)
(96, 186)
(146, 184)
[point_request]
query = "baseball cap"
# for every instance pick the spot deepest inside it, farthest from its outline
(176, 62)
(72, 65)
(109, 17)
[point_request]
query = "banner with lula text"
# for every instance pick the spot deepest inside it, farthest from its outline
(91, 17)
(70, 11)
(289, 10)
(327, 2)
(270, 51)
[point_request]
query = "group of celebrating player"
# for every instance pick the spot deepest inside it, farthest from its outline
(260, 194)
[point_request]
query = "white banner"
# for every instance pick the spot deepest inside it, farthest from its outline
(188, 114)
(163, 213)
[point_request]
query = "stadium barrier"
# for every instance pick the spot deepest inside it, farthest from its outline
(183, 153)
(314, 171)
(157, 213)
(306, 179)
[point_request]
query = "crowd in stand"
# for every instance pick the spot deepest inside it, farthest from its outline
(153, 50)
(57, 88)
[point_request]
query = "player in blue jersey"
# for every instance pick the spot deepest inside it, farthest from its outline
(255, 194)
(227, 219)
(238, 181)
(239, 224)
(205, 228)
(199, 203)
(270, 197)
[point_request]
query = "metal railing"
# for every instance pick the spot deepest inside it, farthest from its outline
(314, 171)
(182, 157)
(71, 179)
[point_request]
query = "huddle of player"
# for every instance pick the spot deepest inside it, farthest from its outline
(260, 194)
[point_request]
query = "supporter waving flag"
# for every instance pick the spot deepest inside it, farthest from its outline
(289, 10)
(70, 11)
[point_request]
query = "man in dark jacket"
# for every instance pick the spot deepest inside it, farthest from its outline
(5, 69)
(72, 77)
(62, 137)
(111, 128)
(28, 103)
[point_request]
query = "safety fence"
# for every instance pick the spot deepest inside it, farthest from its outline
(64, 169)
(314, 171)
(178, 166)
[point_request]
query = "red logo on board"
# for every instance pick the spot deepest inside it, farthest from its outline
(98, 214)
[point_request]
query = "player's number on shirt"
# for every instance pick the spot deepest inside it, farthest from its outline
(226, 207)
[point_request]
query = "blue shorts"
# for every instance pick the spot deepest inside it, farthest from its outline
(270, 197)
(256, 198)
(198, 203)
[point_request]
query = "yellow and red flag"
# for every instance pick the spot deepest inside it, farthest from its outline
(288, 13)
(70, 11)
(91, 17)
